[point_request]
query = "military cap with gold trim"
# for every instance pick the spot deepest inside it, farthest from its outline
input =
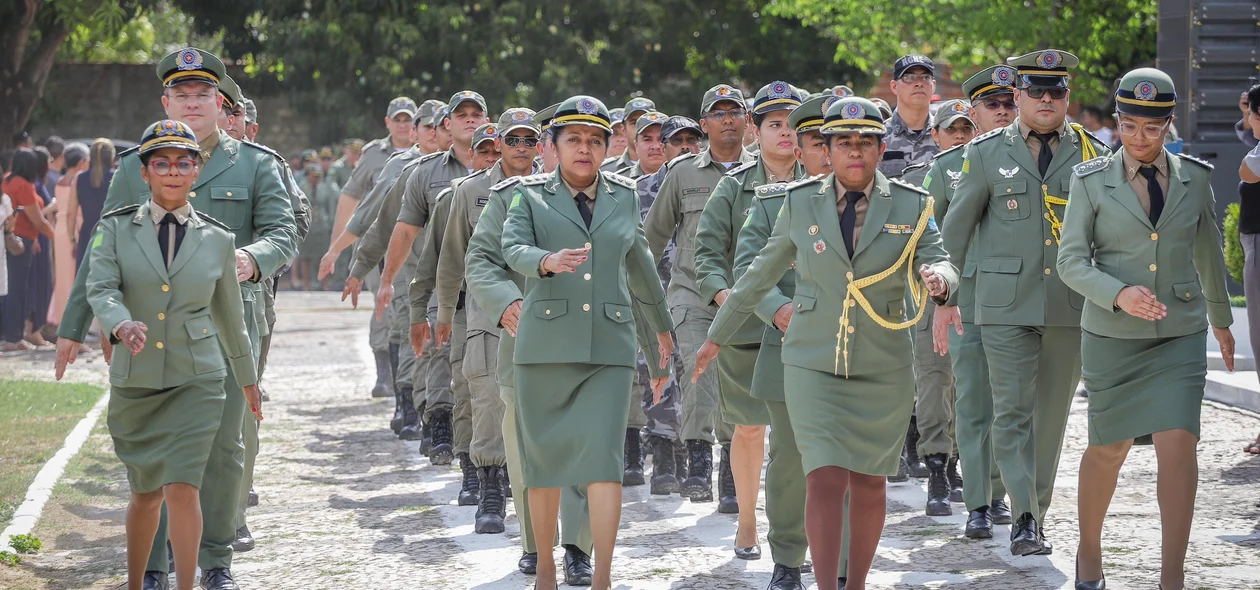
(1146, 92)
(638, 104)
(543, 118)
(853, 115)
(169, 134)
(1047, 68)
(583, 110)
(951, 110)
(191, 65)
(649, 119)
(231, 93)
(517, 118)
(720, 93)
(401, 104)
(776, 96)
(809, 116)
(990, 81)
(483, 133)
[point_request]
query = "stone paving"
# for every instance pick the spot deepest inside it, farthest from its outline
(347, 505)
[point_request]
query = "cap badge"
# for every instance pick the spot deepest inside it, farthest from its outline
(519, 116)
(830, 100)
(1050, 59)
(587, 107)
(638, 104)
(853, 111)
(1145, 90)
(466, 94)
(840, 92)
(779, 90)
(188, 59)
(1004, 76)
(491, 131)
(723, 91)
(959, 108)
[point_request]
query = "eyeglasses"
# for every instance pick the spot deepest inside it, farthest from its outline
(734, 113)
(201, 97)
(678, 141)
(1040, 91)
(914, 78)
(994, 104)
(184, 166)
(1149, 131)
(514, 141)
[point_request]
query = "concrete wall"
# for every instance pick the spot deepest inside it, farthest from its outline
(117, 101)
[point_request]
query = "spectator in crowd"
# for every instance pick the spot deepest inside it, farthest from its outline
(1245, 127)
(40, 285)
(56, 147)
(1249, 217)
(20, 185)
(74, 161)
(87, 195)
(6, 234)
(21, 140)
(1093, 120)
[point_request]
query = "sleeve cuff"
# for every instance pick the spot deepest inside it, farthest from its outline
(446, 315)
(244, 370)
(74, 322)
(711, 286)
(359, 270)
(770, 305)
(419, 315)
(1220, 315)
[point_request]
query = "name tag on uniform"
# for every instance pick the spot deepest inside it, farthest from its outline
(695, 190)
(442, 184)
(893, 228)
(481, 201)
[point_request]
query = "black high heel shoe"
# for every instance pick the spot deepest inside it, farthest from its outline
(749, 553)
(1095, 585)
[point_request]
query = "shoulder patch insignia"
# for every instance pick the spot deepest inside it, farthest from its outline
(124, 210)
(903, 184)
(534, 179)
(506, 183)
(263, 148)
(742, 168)
(620, 180)
(774, 189)
(1091, 166)
(1189, 158)
(214, 222)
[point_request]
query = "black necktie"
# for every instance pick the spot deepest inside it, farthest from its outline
(170, 235)
(1044, 157)
(584, 208)
(849, 218)
(1152, 189)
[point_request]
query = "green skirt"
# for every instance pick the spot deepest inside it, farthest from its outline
(736, 363)
(164, 436)
(571, 422)
(1140, 386)
(858, 423)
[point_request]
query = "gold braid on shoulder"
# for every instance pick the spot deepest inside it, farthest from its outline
(1087, 153)
(853, 293)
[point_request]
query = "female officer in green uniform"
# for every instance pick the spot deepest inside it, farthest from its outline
(856, 238)
(576, 234)
(162, 271)
(1140, 242)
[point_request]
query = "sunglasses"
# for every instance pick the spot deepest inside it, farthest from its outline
(1040, 91)
(995, 104)
(514, 141)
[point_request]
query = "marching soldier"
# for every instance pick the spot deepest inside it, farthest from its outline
(342, 167)
(241, 185)
(909, 139)
(674, 216)
(992, 95)
(620, 140)
(635, 108)
(1013, 186)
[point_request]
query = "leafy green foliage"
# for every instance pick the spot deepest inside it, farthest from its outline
(1238, 301)
(25, 544)
(1234, 258)
(9, 559)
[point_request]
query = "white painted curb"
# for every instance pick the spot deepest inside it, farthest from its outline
(41, 489)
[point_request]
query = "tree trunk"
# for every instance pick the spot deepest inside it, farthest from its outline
(22, 73)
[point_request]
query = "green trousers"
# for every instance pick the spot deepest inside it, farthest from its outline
(785, 491)
(575, 511)
(1034, 372)
(973, 415)
(934, 392)
(481, 360)
(701, 419)
(461, 418)
(378, 331)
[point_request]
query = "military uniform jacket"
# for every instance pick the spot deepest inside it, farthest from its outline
(369, 206)
(467, 202)
(752, 238)
(374, 240)
(371, 160)
(616, 163)
(421, 289)
(808, 231)
(675, 215)
(241, 185)
(717, 235)
(189, 309)
(941, 178)
(340, 171)
(1109, 243)
(906, 147)
(585, 316)
(1001, 192)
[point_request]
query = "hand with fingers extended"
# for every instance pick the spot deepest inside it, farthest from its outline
(511, 317)
(67, 353)
(708, 351)
(944, 317)
(131, 334)
(327, 264)
(442, 334)
(353, 288)
(1226, 339)
(1140, 302)
(384, 294)
(566, 260)
(419, 337)
(658, 388)
(253, 399)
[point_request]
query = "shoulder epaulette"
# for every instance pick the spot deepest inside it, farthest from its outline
(679, 158)
(774, 189)
(505, 183)
(1189, 158)
(1077, 127)
(261, 147)
(375, 143)
(427, 157)
(742, 168)
(914, 167)
(214, 222)
(1091, 166)
(625, 171)
(534, 179)
(803, 182)
(943, 152)
(446, 191)
(903, 184)
(124, 210)
(625, 181)
(609, 160)
(989, 135)
(135, 149)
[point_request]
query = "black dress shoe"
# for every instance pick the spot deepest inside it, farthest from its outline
(842, 582)
(218, 579)
(1026, 536)
(807, 567)
(577, 567)
(728, 502)
(157, 581)
(979, 525)
(1000, 511)
(528, 564)
(244, 540)
(785, 578)
(1095, 585)
(748, 553)
(938, 487)
(252, 500)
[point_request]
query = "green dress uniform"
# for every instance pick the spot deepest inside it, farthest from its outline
(241, 185)
(1144, 376)
(576, 346)
(1030, 319)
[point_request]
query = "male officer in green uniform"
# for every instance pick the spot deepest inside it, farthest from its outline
(1014, 185)
(674, 215)
(992, 95)
(242, 186)
(635, 108)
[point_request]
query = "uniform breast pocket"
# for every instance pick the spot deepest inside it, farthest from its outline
(1012, 200)
(618, 313)
(694, 199)
(998, 279)
(804, 303)
(230, 205)
(204, 345)
(1187, 291)
(550, 309)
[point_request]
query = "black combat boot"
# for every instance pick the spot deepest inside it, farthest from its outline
(903, 472)
(699, 483)
(411, 419)
(426, 429)
(664, 476)
(913, 462)
(443, 451)
(955, 480)
(938, 486)
(491, 510)
(396, 423)
(632, 465)
(727, 503)
(680, 464)
(384, 386)
(470, 491)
